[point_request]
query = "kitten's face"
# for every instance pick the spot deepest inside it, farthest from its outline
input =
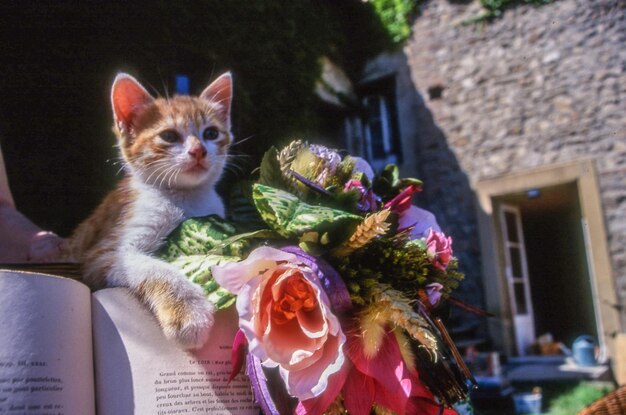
(176, 143)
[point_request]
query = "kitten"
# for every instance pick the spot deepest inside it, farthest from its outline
(174, 152)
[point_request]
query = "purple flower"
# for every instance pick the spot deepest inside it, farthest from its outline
(420, 221)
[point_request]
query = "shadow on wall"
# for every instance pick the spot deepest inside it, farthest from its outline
(447, 193)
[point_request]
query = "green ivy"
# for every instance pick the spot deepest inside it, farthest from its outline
(495, 8)
(396, 16)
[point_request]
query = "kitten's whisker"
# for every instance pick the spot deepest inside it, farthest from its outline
(233, 169)
(160, 170)
(174, 173)
(177, 174)
(156, 164)
(163, 176)
(118, 162)
(152, 164)
(171, 174)
(121, 169)
(243, 140)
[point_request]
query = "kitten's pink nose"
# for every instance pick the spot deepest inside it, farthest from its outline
(197, 151)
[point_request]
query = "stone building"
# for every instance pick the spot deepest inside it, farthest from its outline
(518, 128)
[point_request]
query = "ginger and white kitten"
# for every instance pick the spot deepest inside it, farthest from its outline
(174, 152)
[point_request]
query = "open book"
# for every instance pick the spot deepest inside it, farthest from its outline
(66, 351)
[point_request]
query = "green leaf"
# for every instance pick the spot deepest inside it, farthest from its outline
(196, 236)
(406, 181)
(241, 210)
(198, 270)
(239, 245)
(270, 173)
(387, 183)
(291, 217)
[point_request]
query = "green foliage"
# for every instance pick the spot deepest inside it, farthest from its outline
(240, 207)
(577, 398)
(278, 168)
(270, 173)
(274, 50)
(200, 243)
(189, 248)
(396, 16)
(290, 217)
(198, 270)
(388, 182)
(402, 265)
(196, 236)
(495, 8)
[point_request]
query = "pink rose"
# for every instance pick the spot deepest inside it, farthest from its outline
(439, 248)
(286, 317)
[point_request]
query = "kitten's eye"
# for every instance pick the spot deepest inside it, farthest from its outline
(169, 136)
(211, 133)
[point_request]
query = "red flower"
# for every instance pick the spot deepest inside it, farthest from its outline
(384, 380)
(402, 201)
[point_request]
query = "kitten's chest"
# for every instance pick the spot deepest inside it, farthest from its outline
(200, 204)
(155, 215)
(173, 208)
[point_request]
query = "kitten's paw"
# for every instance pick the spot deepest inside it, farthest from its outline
(47, 246)
(183, 311)
(192, 325)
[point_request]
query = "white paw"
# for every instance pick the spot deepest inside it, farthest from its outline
(194, 327)
(186, 318)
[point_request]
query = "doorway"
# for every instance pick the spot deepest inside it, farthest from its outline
(546, 267)
(570, 284)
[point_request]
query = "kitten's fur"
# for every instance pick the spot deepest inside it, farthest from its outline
(172, 163)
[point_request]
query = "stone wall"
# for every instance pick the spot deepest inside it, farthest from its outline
(538, 86)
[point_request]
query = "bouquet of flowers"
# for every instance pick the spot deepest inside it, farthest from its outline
(335, 286)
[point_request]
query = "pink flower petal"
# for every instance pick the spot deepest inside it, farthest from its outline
(358, 393)
(312, 324)
(238, 354)
(394, 382)
(233, 275)
(402, 200)
(286, 317)
(439, 248)
(317, 405)
(288, 334)
(314, 380)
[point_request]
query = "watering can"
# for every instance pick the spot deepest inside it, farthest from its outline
(584, 351)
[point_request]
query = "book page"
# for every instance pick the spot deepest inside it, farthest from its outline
(46, 361)
(139, 371)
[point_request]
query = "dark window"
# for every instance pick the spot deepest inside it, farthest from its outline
(374, 133)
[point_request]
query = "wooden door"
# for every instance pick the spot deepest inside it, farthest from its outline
(516, 274)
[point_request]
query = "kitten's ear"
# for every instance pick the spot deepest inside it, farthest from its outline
(128, 98)
(221, 92)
